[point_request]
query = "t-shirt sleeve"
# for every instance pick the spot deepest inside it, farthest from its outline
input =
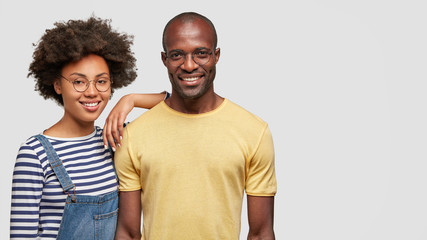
(260, 171)
(128, 170)
(27, 185)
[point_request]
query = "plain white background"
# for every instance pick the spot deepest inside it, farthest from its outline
(341, 83)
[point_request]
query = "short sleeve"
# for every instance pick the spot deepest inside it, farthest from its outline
(260, 170)
(127, 168)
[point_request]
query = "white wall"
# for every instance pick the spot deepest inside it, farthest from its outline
(341, 83)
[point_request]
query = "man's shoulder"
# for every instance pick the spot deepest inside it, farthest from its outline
(242, 114)
(150, 115)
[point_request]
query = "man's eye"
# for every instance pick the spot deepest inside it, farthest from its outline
(201, 54)
(175, 56)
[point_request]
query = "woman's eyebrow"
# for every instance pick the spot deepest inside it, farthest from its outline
(104, 73)
(83, 75)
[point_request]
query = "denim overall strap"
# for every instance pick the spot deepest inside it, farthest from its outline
(56, 164)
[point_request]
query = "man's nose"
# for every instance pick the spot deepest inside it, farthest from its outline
(189, 64)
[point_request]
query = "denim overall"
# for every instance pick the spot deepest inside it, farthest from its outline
(84, 217)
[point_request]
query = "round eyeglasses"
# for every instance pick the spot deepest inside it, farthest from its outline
(81, 84)
(200, 57)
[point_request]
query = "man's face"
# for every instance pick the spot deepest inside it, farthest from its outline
(190, 41)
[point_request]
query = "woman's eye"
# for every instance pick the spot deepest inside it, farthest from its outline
(102, 81)
(79, 82)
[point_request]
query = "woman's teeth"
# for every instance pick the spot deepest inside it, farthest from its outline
(90, 104)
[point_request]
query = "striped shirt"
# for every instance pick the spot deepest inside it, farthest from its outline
(37, 198)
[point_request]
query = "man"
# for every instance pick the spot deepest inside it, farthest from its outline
(188, 160)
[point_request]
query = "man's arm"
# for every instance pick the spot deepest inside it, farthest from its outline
(260, 217)
(129, 220)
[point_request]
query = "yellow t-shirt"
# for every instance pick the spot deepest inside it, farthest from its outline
(193, 169)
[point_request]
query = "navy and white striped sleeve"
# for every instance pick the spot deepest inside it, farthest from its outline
(27, 187)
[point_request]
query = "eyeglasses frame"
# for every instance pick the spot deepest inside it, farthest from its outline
(87, 85)
(211, 53)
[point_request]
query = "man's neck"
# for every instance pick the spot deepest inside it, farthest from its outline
(200, 105)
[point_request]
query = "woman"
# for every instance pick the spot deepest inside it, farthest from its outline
(64, 183)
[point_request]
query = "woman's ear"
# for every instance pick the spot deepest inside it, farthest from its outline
(57, 86)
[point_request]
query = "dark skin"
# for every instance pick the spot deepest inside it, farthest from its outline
(129, 219)
(196, 96)
(260, 217)
(193, 92)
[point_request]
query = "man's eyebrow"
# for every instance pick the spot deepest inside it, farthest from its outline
(176, 50)
(197, 49)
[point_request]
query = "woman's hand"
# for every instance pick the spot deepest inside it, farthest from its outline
(113, 128)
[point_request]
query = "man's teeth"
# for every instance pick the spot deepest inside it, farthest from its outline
(190, 79)
(90, 104)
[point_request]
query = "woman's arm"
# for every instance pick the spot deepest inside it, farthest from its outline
(27, 187)
(113, 128)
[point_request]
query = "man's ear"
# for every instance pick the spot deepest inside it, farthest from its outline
(217, 53)
(164, 58)
(57, 87)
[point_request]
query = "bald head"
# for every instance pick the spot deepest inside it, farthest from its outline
(188, 17)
